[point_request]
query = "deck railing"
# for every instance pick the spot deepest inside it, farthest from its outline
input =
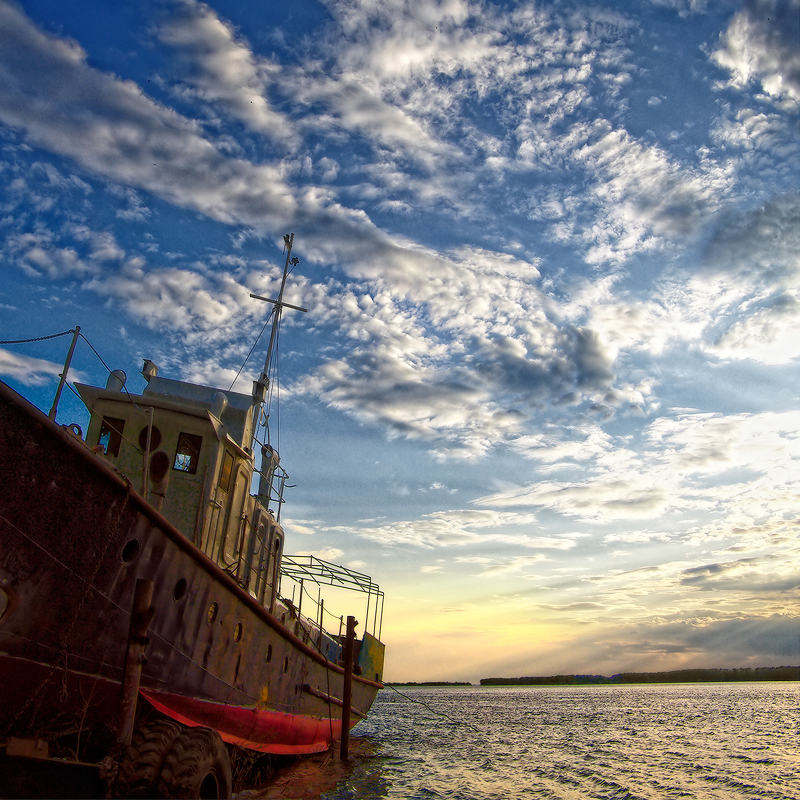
(301, 574)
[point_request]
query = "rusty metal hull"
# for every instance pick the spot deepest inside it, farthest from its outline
(74, 538)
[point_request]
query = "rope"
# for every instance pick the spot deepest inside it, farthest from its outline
(437, 713)
(97, 354)
(38, 338)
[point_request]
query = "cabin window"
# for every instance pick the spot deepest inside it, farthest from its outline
(226, 471)
(111, 435)
(188, 453)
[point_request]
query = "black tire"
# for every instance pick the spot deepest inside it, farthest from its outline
(139, 766)
(197, 766)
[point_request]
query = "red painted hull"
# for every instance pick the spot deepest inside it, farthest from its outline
(260, 729)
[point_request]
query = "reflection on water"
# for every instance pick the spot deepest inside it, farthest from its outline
(710, 741)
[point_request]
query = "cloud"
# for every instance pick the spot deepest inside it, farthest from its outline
(739, 302)
(112, 129)
(769, 637)
(569, 607)
(29, 371)
(664, 473)
(761, 44)
(222, 68)
(333, 554)
(770, 335)
(359, 108)
(450, 528)
(761, 140)
(653, 644)
(457, 350)
(760, 245)
(743, 574)
(758, 254)
(643, 194)
(511, 566)
(684, 7)
(36, 253)
(178, 299)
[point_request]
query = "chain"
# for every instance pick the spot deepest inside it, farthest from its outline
(38, 339)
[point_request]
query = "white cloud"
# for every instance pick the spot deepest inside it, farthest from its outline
(325, 553)
(645, 194)
(760, 44)
(36, 253)
(111, 128)
(29, 371)
(222, 68)
(763, 140)
(770, 335)
(451, 528)
(740, 468)
(511, 566)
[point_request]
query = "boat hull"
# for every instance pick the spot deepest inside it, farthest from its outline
(74, 539)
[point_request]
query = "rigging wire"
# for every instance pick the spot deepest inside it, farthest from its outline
(269, 317)
(110, 372)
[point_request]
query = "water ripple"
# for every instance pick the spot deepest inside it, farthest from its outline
(651, 742)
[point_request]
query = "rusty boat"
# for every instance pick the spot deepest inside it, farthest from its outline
(149, 618)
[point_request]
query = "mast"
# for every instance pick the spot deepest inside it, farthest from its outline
(261, 386)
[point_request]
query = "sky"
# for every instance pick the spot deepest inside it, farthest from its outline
(546, 391)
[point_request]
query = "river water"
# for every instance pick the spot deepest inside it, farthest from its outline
(709, 741)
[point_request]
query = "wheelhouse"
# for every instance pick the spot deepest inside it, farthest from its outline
(187, 450)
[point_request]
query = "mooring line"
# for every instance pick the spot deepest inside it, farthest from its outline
(437, 713)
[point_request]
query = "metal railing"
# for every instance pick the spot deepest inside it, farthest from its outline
(310, 570)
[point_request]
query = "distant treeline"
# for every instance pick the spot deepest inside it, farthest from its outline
(432, 683)
(675, 676)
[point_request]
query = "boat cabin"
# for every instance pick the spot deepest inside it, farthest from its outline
(187, 450)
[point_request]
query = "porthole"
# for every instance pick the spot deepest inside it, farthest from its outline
(130, 551)
(180, 590)
(213, 610)
(237, 632)
(155, 438)
(269, 653)
(285, 664)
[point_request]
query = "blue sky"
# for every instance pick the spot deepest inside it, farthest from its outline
(546, 392)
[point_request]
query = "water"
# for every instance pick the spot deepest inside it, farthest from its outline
(709, 741)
